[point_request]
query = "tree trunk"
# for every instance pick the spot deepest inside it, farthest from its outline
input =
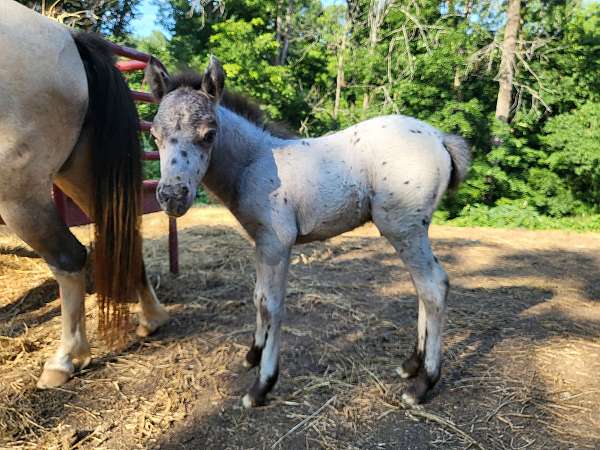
(340, 70)
(286, 32)
(507, 63)
(278, 29)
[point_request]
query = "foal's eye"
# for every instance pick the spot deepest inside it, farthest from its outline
(209, 137)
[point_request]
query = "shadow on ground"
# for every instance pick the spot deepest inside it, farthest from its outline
(351, 321)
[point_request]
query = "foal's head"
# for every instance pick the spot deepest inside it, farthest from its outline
(185, 128)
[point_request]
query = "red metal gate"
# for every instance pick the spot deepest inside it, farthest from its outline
(68, 210)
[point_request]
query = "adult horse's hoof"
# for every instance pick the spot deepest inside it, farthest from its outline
(148, 325)
(52, 378)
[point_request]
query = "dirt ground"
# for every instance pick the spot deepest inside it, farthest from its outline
(522, 347)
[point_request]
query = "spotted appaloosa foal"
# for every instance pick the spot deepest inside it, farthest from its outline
(392, 170)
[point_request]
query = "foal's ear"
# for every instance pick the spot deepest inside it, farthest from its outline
(213, 79)
(157, 77)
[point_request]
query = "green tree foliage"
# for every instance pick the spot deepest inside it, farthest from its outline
(435, 60)
(107, 16)
(325, 65)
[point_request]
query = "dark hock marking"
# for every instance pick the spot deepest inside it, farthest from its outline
(71, 259)
(305, 143)
(357, 141)
(421, 385)
(173, 140)
(201, 159)
(271, 180)
(258, 392)
(184, 153)
(384, 178)
(254, 354)
(384, 163)
(285, 200)
(174, 161)
(425, 222)
(414, 362)
(264, 311)
(447, 284)
(436, 260)
(407, 182)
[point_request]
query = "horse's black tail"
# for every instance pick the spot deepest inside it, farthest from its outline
(117, 172)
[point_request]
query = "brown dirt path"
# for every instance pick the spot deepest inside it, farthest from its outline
(522, 347)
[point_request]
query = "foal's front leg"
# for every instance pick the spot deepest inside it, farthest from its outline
(272, 263)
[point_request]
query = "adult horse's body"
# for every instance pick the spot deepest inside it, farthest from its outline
(66, 116)
(392, 170)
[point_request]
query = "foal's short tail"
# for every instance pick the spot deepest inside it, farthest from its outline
(461, 158)
(116, 199)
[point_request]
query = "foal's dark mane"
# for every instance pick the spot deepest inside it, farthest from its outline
(234, 101)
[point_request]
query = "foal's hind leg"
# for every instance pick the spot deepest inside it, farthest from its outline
(431, 283)
(35, 220)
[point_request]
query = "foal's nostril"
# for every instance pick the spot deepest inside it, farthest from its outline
(185, 190)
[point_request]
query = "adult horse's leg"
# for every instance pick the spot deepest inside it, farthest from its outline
(272, 261)
(431, 283)
(74, 179)
(151, 314)
(33, 217)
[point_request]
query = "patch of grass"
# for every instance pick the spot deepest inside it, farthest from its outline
(515, 215)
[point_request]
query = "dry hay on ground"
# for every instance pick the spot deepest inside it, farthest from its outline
(522, 348)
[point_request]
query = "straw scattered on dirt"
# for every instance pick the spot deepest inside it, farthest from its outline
(522, 351)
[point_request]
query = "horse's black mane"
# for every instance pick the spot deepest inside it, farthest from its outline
(234, 101)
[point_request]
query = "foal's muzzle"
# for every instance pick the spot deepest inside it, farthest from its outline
(174, 199)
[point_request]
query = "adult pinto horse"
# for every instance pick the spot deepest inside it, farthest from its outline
(66, 116)
(391, 170)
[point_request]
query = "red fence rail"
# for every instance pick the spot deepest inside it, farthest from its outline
(70, 212)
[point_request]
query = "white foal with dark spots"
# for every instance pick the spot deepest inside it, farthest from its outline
(391, 170)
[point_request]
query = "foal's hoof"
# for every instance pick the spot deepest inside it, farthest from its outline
(411, 366)
(417, 389)
(52, 378)
(403, 373)
(250, 402)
